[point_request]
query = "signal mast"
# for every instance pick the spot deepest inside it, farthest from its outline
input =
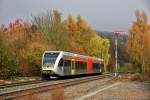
(116, 34)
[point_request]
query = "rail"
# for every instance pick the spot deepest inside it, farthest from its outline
(20, 83)
(38, 89)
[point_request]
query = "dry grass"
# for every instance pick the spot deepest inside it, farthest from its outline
(133, 77)
(30, 95)
(138, 77)
(57, 93)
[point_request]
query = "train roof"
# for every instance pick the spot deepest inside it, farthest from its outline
(73, 55)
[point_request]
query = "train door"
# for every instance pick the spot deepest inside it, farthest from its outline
(89, 66)
(73, 67)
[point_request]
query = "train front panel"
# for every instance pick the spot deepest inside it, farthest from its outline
(48, 64)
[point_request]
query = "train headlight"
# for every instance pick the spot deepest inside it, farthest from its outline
(47, 68)
(47, 71)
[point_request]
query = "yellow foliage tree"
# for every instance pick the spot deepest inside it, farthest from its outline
(138, 43)
(87, 41)
(71, 24)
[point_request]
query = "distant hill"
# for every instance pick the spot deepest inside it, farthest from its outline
(110, 36)
(122, 54)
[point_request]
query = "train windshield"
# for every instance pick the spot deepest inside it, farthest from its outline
(49, 59)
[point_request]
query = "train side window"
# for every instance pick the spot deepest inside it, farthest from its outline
(80, 65)
(67, 63)
(84, 64)
(96, 65)
(77, 64)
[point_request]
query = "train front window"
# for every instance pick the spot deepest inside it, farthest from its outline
(49, 59)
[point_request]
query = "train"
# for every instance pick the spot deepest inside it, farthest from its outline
(61, 63)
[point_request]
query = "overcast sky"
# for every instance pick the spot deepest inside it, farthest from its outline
(105, 15)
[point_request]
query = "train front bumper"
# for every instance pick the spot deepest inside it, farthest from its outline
(47, 71)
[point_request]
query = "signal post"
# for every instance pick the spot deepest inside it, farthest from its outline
(116, 34)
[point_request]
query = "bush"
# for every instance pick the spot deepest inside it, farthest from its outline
(135, 77)
(128, 67)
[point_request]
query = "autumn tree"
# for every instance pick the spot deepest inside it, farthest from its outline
(86, 33)
(8, 66)
(88, 41)
(71, 24)
(138, 43)
(75, 35)
(16, 37)
(99, 47)
(54, 29)
(105, 52)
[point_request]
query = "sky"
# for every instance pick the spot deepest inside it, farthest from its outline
(103, 15)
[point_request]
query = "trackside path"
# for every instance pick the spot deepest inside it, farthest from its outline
(74, 92)
(93, 93)
(122, 91)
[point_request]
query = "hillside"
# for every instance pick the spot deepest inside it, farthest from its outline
(122, 54)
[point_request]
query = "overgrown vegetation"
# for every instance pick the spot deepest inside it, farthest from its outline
(138, 43)
(22, 43)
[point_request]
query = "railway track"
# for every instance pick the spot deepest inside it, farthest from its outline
(2, 86)
(19, 91)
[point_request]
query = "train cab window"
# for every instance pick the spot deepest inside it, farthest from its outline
(50, 58)
(61, 63)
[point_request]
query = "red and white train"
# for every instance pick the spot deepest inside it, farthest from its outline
(60, 63)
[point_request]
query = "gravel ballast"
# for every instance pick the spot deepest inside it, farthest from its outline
(124, 91)
(102, 89)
